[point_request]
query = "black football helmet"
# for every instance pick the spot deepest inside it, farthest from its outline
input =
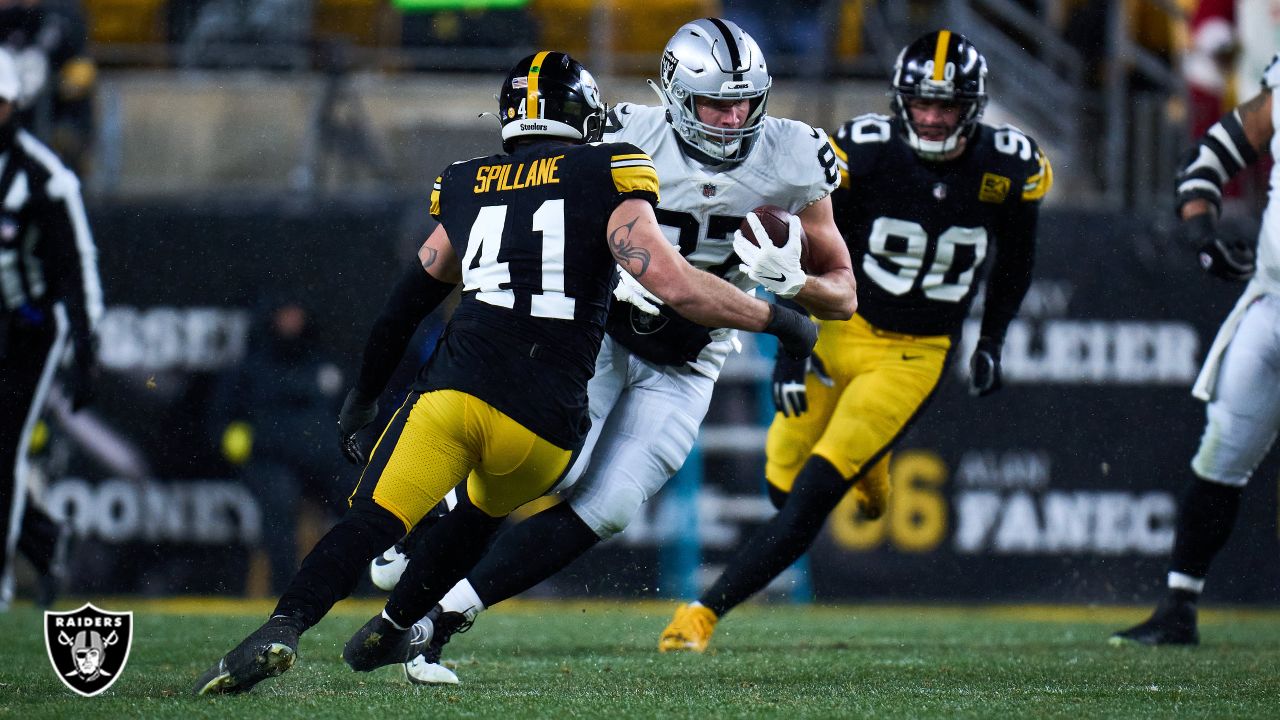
(940, 65)
(550, 94)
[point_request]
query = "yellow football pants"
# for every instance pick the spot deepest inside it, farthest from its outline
(881, 380)
(438, 439)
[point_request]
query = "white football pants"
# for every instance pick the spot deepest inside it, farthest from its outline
(1244, 415)
(644, 421)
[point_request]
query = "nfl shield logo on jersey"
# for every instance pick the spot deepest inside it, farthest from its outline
(708, 190)
(940, 192)
(8, 229)
(88, 647)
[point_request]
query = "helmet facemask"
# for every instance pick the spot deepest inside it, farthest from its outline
(720, 143)
(713, 60)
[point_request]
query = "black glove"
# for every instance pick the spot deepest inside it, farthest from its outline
(84, 376)
(357, 411)
(984, 368)
(796, 333)
(789, 394)
(1229, 258)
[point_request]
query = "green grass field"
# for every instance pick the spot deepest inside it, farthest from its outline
(598, 660)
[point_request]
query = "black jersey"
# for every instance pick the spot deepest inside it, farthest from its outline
(920, 232)
(537, 277)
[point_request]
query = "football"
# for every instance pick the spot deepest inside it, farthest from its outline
(775, 221)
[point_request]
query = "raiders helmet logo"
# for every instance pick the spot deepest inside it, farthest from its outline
(88, 647)
(669, 64)
(643, 323)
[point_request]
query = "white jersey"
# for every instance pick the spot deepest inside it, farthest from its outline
(1269, 238)
(791, 166)
(1266, 280)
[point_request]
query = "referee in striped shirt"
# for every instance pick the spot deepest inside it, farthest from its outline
(49, 295)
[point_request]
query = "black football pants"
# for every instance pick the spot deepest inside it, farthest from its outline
(27, 364)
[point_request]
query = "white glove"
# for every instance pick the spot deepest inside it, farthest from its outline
(629, 290)
(776, 268)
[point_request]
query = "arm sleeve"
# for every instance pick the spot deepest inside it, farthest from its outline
(1011, 270)
(415, 295)
(64, 227)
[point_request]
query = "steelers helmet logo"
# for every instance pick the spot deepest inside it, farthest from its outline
(511, 112)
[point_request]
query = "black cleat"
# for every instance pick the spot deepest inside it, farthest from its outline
(1172, 623)
(267, 652)
(378, 643)
(423, 666)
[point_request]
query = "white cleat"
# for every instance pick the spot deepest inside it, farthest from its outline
(386, 569)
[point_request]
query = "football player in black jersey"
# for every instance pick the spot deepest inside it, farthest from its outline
(532, 235)
(926, 196)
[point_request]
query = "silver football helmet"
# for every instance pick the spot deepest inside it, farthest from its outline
(717, 60)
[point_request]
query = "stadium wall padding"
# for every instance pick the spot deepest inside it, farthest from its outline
(1062, 487)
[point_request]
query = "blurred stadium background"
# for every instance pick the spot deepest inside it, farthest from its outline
(240, 156)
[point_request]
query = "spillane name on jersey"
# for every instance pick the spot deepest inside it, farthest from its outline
(537, 276)
(919, 232)
(792, 165)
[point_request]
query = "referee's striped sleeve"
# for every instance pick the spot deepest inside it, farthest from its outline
(634, 174)
(435, 199)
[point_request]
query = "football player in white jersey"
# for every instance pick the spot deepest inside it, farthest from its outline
(1239, 380)
(718, 155)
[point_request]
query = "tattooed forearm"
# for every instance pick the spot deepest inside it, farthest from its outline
(635, 260)
(428, 257)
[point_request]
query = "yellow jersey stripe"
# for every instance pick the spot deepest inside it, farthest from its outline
(641, 178)
(840, 153)
(940, 55)
(842, 162)
(632, 156)
(531, 99)
(1037, 186)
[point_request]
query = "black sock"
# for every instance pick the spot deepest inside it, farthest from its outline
(817, 490)
(531, 552)
(1205, 520)
(39, 535)
(332, 569)
(443, 557)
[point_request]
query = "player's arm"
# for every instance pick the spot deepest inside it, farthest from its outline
(1237, 140)
(1007, 285)
(829, 291)
(65, 232)
(640, 248)
(420, 289)
(1010, 275)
